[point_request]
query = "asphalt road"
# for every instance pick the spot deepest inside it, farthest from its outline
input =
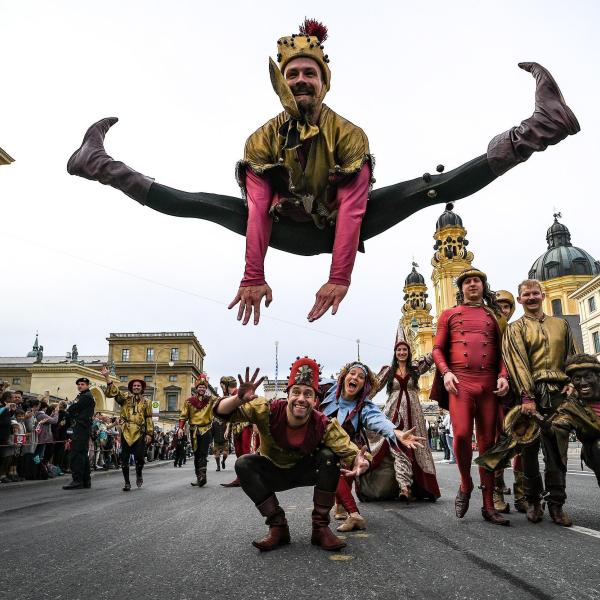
(172, 541)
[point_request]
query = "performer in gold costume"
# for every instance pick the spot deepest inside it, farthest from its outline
(535, 348)
(136, 424)
(197, 410)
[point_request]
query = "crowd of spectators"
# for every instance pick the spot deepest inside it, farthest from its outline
(35, 437)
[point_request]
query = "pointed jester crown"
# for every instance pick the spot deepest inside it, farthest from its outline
(305, 371)
(307, 43)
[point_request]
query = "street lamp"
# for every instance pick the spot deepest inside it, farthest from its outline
(170, 363)
(276, 367)
(358, 349)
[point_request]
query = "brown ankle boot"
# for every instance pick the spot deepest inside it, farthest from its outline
(493, 516)
(558, 515)
(499, 503)
(279, 533)
(321, 534)
(551, 122)
(91, 161)
(461, 502)
(535, 512)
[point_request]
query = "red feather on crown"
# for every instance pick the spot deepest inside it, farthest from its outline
(314, 27)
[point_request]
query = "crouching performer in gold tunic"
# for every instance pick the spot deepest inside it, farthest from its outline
(137, 426)
(299, 446)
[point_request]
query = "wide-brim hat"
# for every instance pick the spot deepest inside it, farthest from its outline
(572, 367)
(524, 429)
(470, 272)
(140, 381)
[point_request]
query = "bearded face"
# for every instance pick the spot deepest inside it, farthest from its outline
(304, 77)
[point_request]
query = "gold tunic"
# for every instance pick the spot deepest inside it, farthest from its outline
(257, 412)
(136, 414)
(200, 419)
(339, 147)
(535, 352)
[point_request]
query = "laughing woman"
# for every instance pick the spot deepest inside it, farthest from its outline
(349, 401)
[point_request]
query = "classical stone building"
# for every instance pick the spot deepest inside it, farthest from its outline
(588, 300)
(37, 374)
(169, 363)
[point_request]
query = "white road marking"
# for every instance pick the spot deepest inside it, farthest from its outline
(585, 530)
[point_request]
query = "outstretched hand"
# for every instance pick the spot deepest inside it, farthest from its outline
(409, 439)
(247, 388)
(329, 296)
(359, 466)
(250, 297)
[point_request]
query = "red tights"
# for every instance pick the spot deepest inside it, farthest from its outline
(343, 494)
(241, 442)
(475, 402)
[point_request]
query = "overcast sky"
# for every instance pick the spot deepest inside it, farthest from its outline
(429, 82)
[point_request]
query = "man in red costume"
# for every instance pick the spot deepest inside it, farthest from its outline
(467, 354)
(306, 175)
(299, 446)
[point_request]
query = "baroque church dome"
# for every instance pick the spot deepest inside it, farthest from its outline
(562, 258)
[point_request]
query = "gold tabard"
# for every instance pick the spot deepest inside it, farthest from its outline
(135, 414)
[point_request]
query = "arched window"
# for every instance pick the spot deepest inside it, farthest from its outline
(557, 309)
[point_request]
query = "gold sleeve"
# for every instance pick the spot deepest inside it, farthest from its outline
(149, 421)
(112, 391)
(353, 148)
(185, 411)
(517, 363)
(339, 442)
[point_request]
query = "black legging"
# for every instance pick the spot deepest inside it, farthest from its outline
(259, 477)
(386, 207)
(591, 456)
(201, 451)
(80, 455)
(138, 449)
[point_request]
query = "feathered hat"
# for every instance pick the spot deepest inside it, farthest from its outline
(304, 371)
(201, 380)
(308, 43)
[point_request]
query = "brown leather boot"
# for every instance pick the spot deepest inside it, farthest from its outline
(279, 533)
(551, 122)
(321, 534)
(493, 516)
(558, 515)
(500, 504)
(461, 502)
(535, 512)
(91, 161)
(520, 501)
(201, 479)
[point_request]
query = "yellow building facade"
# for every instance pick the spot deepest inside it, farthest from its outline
(450, 258)
(169, 363)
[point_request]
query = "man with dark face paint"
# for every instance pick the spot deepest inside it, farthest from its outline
(581, 412)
